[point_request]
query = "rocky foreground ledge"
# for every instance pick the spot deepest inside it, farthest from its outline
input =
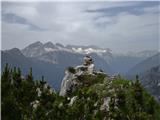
(98, 96)
(79, 76)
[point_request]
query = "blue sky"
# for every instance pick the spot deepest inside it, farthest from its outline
(120, 26)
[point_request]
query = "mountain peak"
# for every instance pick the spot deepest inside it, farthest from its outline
(36, 44)
(14, 51)
(59, 45)
(49, 45)
(33, 49)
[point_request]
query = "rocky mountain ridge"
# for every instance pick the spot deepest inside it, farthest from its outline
(39, 48)
(150, 79)
(145, 65)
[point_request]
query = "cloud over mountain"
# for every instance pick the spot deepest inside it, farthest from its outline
(106, 24)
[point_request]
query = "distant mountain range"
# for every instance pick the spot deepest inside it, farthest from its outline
(38, 48)
(145, 65)
(66, 55)
(51, 60)
(150, 79)
(149, 74)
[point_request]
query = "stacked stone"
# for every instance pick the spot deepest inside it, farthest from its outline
(87, 60)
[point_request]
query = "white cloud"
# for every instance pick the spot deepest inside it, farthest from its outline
(69, 23)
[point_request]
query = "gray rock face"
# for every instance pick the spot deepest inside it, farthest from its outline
(70, 83)
(105, 105)
(73, 99)
(67, 83)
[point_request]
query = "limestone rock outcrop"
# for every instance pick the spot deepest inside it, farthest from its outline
(71, 80)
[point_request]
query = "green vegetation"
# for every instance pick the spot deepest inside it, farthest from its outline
(89, 79)
(24, 98)
(71, 70)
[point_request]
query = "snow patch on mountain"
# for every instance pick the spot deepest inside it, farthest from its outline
(88, 50)
(49, 49)
(63, 49)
